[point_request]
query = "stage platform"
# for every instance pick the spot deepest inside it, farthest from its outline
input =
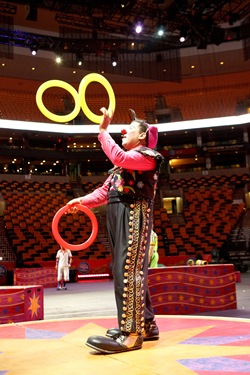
(188, 345)
(208, 343)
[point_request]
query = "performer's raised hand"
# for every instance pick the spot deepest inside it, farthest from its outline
(106, 119)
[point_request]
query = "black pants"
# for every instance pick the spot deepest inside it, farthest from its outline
(129, 227)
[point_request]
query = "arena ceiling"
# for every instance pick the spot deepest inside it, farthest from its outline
(99, 30)
(117, 18)
(95, 29)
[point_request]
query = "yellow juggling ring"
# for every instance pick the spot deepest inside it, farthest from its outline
(46, 112)
(95, 77)
(79, 98)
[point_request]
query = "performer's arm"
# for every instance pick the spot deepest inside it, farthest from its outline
(97, 198)
(126, 159)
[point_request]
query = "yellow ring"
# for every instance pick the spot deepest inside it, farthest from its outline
(95, 77)
(64, 85)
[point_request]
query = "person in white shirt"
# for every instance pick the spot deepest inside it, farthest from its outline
(63, 263)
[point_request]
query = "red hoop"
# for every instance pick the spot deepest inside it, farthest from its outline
(67, 245)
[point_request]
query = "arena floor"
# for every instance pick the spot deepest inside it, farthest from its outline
(204, 345)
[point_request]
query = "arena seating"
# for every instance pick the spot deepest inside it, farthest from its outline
(209, 216)
(209, 182)
(192, 103)
(30, 208)
(21, 105)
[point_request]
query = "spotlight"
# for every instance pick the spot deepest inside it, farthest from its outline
(124, 3)
(79, 60)
(160, 31)
(183, 34)
(33, 49)
(114, 59)
(58, 58)
(138, 26)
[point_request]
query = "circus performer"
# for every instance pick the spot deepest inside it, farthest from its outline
(129, 193)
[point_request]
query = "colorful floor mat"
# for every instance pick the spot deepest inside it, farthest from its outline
(187, 345)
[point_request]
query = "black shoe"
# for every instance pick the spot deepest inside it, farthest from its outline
(121, 343)
(150, 333)
(113, 332)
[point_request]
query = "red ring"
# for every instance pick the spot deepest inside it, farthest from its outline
(65, 244)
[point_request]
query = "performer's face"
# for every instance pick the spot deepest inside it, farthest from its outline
(133, 137)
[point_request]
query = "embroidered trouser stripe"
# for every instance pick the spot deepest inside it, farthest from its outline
(129, 229)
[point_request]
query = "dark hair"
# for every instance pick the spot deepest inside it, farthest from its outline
(143, 126)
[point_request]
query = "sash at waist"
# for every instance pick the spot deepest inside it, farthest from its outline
(115, 197)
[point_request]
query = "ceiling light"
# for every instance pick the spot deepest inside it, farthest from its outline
(34, 49)
(58, 59)
(79, 60)
(114, 59)
(160, 31)
(138, 29)
(183, 34)
(138, 26)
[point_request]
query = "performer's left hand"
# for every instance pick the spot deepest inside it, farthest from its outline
(106, 119)
(73, 209)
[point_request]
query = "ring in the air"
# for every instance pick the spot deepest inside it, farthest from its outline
(51, 116)
(79, 98)
(95, 77)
